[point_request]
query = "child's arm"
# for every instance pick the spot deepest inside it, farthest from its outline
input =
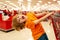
(39, 20)
(40, 14)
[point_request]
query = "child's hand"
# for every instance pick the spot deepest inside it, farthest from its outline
(53, 13)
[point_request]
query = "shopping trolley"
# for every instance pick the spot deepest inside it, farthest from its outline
(56, 25)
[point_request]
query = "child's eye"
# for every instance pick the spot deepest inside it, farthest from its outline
(23, 17)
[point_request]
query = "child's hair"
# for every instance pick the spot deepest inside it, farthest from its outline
(16, 25)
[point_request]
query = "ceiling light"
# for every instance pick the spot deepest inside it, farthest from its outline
(40, 1)
(34, 7)
(13, 4)
(49, 2)
(15, 8)
(29, 3)
(29, 0)
(37, 4)
(20, 0)
(28, 7)
(23, 8)
(43, 6)
(54, 0)
(58, 2)
(7, 1)
(5, 5)
(46, 4)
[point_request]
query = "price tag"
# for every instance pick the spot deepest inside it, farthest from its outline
(1, 12)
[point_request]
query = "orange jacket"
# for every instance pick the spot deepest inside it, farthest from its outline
(37, 30)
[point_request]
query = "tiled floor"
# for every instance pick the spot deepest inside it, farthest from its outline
(25, 34)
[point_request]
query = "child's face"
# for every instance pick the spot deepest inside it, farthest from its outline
(21, 18)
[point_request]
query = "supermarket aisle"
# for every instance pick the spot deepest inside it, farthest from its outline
(25, 34)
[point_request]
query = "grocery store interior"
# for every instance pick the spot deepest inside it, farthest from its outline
(10, 8)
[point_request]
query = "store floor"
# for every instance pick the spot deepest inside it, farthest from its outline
(25, 34)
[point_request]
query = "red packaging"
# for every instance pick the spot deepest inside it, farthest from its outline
(5, 25)
(56, 25)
